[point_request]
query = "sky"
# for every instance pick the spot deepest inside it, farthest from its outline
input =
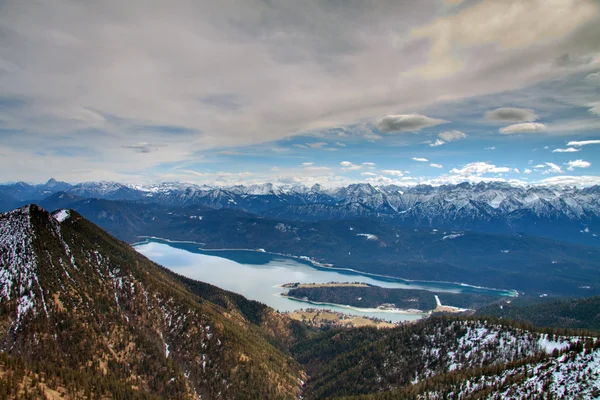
(300, 92)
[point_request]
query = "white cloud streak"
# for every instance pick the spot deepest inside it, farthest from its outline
(578, 164)
(478, 169)
(583, 143)
(348, 166)
(523, 128)
(393, 172)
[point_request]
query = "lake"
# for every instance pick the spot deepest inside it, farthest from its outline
(257, 276)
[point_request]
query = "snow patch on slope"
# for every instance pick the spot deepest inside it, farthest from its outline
(62, 215)
(368, 236)
(17, 260)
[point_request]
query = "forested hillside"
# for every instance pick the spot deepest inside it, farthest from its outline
(374, 296)
(581, 313)
(439, 356)
(89, 314)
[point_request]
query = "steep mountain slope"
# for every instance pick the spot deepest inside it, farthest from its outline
(434, 357)
(72, 298)
(571, 374)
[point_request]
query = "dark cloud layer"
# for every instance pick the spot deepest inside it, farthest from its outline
(509, 114)
(407, 123)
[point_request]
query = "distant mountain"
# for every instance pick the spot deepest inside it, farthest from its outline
(59, 200)
(99, 320)
(529, 264)
(22, 191)
(568, 214)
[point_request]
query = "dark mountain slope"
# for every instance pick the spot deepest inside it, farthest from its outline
(75, 299)
(572, 313)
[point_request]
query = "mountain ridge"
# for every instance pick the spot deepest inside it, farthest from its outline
(567, 213)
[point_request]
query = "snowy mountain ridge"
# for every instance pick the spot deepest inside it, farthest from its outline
(559, 212)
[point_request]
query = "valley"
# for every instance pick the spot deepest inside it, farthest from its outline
(64, 275)
(488, 234)
(517, 262)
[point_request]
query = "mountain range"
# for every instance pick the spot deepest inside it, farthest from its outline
(564, 213)
(529, 264)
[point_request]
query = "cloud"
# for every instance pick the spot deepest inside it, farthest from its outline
(509, 114)
(307, 164)
(523, 127)
(438, 142)
(369, 164)
(527, 171)
(230, 153)
(583, 143)
(393, 172)
(419, 159)
(348, 166)
(490, 148)
(453, 2)
(567, 150)
(578, 164)
(593, 77)
(368, 174)
(317, 145)
(450, 136)
(566, 180)
(407, 123)
(221, 71)
(436, 165)
(552, 169)
(595, 109)
(454, 34)
(573, 125)
(478, 169)
(144, 147)
(340, 144)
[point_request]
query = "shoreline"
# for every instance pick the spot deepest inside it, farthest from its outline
(408, 311)
(509, 292)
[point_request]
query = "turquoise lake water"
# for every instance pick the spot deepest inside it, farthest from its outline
(257, 276)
